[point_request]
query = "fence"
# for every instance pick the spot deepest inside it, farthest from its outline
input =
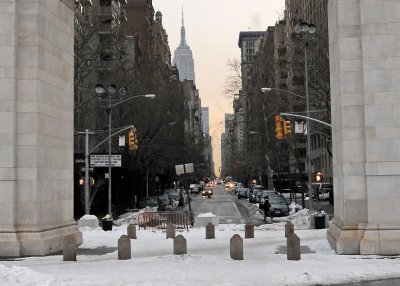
(160, 220)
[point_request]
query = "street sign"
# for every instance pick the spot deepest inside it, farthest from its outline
(90, 169)
(101, 160)
(184, 169)
(121, 141)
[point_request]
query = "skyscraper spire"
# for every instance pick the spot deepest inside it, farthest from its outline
(183, 23)
(183, 36)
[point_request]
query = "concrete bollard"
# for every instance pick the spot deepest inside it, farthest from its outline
(124, 248)
(69, 248)
(289, 228)
(170, 231)
(131, 231)
(249, 231)
(236, 247)
(180, 246)
(293, 247)
(210, 231)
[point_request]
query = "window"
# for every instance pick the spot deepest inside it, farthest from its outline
(105, 56)
(105, 3)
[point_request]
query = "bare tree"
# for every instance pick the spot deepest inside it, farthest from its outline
(233, 81)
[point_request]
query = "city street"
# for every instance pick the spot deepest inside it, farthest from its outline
(226, 206)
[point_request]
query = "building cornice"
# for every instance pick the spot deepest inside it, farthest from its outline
(69, 3)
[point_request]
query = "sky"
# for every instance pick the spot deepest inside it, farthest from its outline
(207, 261)
(212, 32)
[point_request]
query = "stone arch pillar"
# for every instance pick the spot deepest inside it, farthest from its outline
(36, 126)
(365, 89)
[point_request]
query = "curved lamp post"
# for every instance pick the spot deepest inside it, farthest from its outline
(303, 30)
(110, 91)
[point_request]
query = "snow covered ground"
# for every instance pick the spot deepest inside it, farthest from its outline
(208, 261)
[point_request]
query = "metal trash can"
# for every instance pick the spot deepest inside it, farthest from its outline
(106, 224)
(319, 221)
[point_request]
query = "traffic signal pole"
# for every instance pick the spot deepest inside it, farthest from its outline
(308, 127)
(87, 154)
(87, 195)
(306, 117)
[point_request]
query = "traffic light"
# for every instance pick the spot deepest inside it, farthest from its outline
(278, 128)
(132, 140)
(319, 177)
(287, 128)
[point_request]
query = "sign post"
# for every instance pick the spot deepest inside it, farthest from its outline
(184, 169)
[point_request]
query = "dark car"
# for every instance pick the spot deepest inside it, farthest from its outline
(236, 187)
(253, 196)
(257, 197)
(148, 202)
(243, 193)
(254, 188)
(279, 206)
(263, 195)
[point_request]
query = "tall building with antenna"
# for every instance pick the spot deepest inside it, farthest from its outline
(183, 58)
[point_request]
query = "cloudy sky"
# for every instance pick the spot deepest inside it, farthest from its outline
(212, 31)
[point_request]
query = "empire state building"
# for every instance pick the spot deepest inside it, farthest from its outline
(183, 58)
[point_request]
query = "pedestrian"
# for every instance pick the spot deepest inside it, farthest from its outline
(266, 207)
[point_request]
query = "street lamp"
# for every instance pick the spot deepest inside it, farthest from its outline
(110, 91)
(270, 172)
(266, 89)
(303, 30)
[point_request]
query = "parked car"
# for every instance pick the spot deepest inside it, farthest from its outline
(258, 196)
(279, 205)
(324, 190)
(236, 186)
(254, 197)
(195, 190)
(243, 193)
(148, 202)
(263, 195)
(254, 188)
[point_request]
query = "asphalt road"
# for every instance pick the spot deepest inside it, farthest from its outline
(225, 205)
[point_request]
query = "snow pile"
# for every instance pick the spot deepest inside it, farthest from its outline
(23, 276)
(206, 215)
(131, 217)
(300, 219)
(88, 217)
